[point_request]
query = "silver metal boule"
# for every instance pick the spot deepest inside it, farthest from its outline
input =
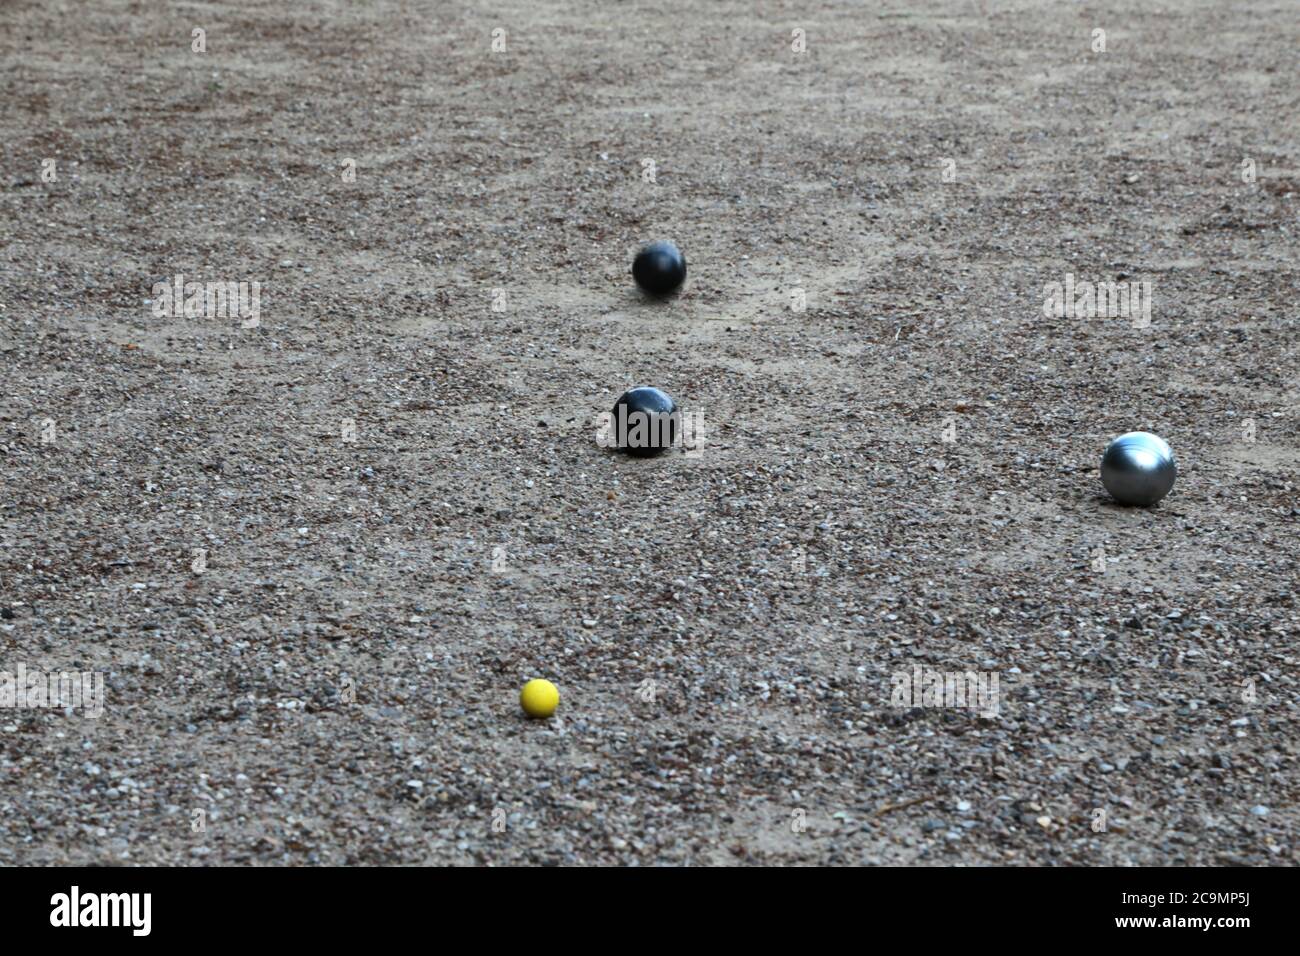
(1138, 468)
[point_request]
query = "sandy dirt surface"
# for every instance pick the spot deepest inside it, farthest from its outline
(901, 474)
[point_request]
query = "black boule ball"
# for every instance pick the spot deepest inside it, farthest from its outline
(659, 269)
(645, 422)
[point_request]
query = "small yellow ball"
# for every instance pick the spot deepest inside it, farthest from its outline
(539, 698)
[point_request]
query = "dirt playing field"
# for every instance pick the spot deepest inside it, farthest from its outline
(314, 553)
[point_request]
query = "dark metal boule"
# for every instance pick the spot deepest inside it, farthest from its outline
(659, 269)
(645, 422)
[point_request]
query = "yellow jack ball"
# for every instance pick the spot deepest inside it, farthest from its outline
(539, 698)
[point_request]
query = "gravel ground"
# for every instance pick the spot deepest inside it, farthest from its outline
(902, 473)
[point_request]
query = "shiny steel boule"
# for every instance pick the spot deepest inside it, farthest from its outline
(1138, 468)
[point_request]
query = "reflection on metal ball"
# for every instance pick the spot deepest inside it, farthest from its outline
(1138, 468)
